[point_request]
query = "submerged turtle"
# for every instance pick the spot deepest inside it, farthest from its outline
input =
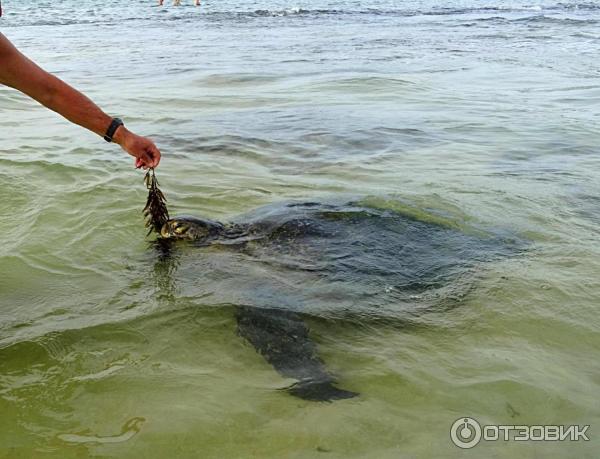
(286, 261)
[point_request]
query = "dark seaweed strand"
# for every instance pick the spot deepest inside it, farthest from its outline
(155, 212)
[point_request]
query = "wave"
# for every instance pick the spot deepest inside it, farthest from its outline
(542, 19)
(437, 11)
(285, 12)
(16, 20)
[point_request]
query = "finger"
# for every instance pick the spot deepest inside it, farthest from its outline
(154, 154)
(145, 160)
(141, 162)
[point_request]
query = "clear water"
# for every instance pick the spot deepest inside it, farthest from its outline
(484, 112)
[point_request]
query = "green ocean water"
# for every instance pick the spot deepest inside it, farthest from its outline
(469, 114)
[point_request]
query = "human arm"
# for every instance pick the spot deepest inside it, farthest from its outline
(19, 72)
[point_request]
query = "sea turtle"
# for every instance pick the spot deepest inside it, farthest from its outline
(283, 262)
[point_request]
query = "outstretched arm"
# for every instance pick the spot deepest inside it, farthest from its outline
(21, 73)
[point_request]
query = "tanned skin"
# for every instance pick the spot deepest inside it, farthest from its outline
(19, 72)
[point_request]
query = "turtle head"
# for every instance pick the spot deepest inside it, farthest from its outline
(191, 229)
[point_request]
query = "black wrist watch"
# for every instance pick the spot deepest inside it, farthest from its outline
(114, 125)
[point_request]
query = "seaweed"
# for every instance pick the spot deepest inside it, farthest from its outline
(155, 212)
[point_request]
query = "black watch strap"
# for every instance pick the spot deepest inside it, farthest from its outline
(114, 125)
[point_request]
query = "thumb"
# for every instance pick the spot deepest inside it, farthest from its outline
(144, 161)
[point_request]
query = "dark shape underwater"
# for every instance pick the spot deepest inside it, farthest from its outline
(284, 262)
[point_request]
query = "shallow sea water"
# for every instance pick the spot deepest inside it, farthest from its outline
(483, 112)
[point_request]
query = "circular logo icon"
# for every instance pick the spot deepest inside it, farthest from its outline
(465, 433)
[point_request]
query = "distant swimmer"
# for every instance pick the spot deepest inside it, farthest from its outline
(178, 2)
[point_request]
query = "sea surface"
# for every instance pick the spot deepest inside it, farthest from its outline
(480, 114)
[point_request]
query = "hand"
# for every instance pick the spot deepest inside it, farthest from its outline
(142, 149)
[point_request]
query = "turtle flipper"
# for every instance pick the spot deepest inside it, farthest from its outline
(282, 338)
(319, 391)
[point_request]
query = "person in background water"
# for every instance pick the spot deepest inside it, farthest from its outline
(18, 72)
(178, 2)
